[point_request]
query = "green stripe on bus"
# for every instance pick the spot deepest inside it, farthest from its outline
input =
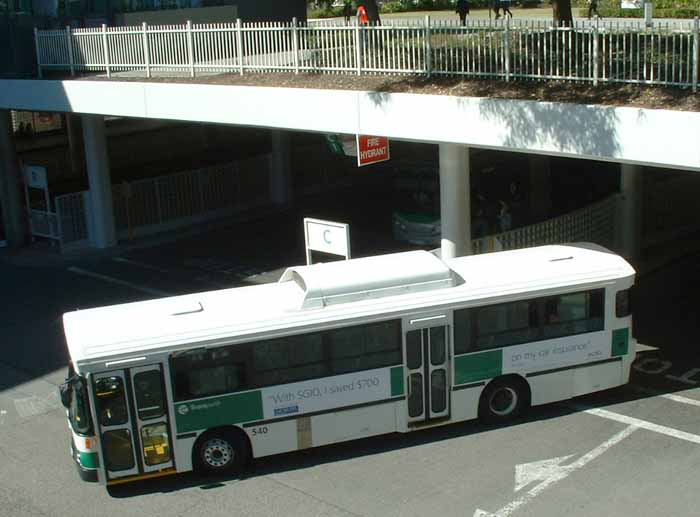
(620, 342)
(397, 381)
(88, 460)
(477, 367)
(218, 411)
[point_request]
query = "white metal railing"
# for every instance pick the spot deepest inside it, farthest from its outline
(157, 204)
(72, 215)
(43, 223)
(666, 53)
(153, 205)
(593, 223)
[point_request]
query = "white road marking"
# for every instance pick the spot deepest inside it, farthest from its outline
(687, 377)
(669, 396)
(527, 473)
(2, 416)
(643, 424)
(105, 278)
(142, 265)
(561, 473)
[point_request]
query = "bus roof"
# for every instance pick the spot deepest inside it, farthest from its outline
(344, 292)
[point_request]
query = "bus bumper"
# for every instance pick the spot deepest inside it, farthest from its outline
(86, 474)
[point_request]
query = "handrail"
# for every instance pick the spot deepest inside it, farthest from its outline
(599, 51)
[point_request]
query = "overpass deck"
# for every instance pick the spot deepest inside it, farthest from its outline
(625, 134)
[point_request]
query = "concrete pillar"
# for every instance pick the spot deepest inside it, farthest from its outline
(280, 169)
(97, 164)
(10, 185)
(630, 220)
(455, 215)
(540, 191)
(75, 144)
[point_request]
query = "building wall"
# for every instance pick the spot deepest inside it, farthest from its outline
(17, 50)
(90, 12)
(218, 14)
(271, 10)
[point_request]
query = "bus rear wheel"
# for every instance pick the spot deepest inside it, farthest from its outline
(503, 400)
(221, 452)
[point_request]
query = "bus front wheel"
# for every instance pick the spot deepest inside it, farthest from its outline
(224, 452)
(503, 399)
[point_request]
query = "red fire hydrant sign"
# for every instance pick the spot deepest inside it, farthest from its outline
(372, 149)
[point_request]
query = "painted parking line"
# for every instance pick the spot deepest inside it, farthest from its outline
(117, 281)
(150, 267)
(642, 424)
(669, 396)
(551, 472)
(141, 265)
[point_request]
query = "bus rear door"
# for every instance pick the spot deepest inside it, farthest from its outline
(132, 419)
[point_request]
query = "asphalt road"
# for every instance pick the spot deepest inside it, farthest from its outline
(631, 451)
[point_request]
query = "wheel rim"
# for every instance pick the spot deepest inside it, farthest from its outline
(503, 401)
(217, 453)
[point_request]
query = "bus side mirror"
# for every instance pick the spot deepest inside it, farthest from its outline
(65, 390)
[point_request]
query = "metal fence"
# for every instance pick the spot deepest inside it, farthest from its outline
(72, 216)
(594, 223)
(666, 53)
(154, 205)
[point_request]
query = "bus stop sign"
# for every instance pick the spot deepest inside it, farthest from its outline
(327, 237)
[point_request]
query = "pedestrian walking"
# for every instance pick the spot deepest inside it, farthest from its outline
(516, 204)
(462, 10)
(362, 17)
(495, 6)
(592, 8)
(505, 7)
(505, 220)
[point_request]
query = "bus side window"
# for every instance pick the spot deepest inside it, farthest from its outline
(182, 386)
(462, 330)
(573, 313)
(623, 303)
(206, 373)
(111, 401)
(551, 310)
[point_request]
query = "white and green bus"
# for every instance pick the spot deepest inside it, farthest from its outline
(340, 351)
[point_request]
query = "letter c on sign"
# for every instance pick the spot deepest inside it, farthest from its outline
(326, 236)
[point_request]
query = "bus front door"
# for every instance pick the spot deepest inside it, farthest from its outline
(427, 366)
(133, 421)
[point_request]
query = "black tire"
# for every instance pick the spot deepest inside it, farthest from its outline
(503, 400)
(221, 452)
